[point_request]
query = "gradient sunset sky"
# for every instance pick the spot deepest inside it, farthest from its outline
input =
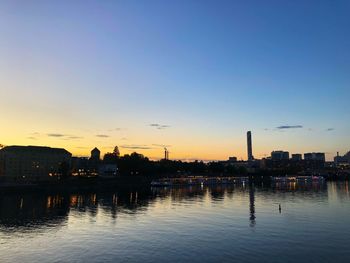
(192, 75)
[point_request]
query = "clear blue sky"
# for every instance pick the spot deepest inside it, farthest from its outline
(71, 71)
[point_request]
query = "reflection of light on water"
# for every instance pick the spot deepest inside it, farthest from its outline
(115, 199)
(347, 187)
(93, 199)
(49, 201)
(73, 200)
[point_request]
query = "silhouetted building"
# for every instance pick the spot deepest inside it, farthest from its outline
(315, 157)
(108, 170)
(94, 161)
(342, 160)
(232, 159)
(33, 161)
(95, 154)
(80, 166)
(297, 157)
(279, 155)
(249, 146)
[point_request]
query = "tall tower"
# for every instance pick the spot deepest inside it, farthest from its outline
(249, 144)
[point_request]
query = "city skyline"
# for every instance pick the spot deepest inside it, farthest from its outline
(250, 157)
(191, 77)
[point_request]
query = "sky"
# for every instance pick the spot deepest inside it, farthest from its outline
(193, 76)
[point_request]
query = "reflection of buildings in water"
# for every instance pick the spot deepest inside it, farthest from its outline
(295, 186)
(32, 211)
(252, 205)
(36, 211)
(43, 210)
(340, 190)
(216, 193)
(180, 193)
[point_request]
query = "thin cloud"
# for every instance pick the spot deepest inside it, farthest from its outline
(116, 129)
(136, 147)
(58, 135)
(162, 145)
(330, 129)
(159, 126)
(72, 137)
(63, 136)
(102, 135)
(32, 138)
(284, 127)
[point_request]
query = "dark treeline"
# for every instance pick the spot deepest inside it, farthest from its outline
(138, 164)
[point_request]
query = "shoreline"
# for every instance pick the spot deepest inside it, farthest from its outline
(106, 184)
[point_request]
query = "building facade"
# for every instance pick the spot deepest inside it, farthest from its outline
(279, 155)
(249, 146)
(342, 160)
(297, 157)
(33, 161)
(315, 157)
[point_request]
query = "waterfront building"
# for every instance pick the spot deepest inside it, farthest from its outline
(80, 166)
(33, 161)
(342, 160)
(315, 156)
(108, 170)
(95, 160)
(249, 146)
(297, 157)
(279, 155)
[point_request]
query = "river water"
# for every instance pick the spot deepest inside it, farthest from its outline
(200, 224)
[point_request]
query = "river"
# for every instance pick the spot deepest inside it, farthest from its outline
(238, 223)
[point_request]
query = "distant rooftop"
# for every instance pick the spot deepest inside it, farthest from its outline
(95, 150)
(30, 148)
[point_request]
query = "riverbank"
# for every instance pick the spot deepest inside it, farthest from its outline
(100, 184)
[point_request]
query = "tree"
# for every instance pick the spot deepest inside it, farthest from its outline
(110, 158)
(116, 152)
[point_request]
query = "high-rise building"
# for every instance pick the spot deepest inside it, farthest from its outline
(315, 157)
(249, 145)
(279, 155)
(297, 157)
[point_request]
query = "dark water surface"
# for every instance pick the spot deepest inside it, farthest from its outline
(215, 224)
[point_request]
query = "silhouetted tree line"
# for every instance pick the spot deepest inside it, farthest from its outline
(137, 164)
